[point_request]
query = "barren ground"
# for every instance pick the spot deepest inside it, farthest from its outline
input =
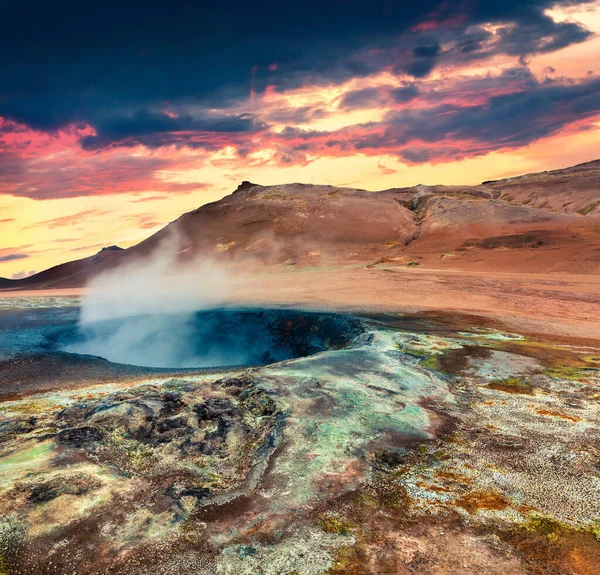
(459, 433)
(553, 304)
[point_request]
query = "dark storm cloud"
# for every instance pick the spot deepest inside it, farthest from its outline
(534, 33)
(376, 96)
(301, 115)
(360, 99)
(72, 61)
(12, 257)
(540, 34)
(144, 123)
(404, 93)
(473, 40)
(449, 131)
(416, 155)
(420, 62)
(113, 63)
(427, 51)
(506, 120)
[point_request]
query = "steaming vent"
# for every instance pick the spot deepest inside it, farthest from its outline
(211, 338)
(165, 312)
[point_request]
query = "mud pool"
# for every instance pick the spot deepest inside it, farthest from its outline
(379, 444)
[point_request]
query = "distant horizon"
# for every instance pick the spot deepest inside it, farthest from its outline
(117, 118)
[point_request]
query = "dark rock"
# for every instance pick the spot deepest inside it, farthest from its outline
(48, 490)
(75, 414)
(223, 427)
(15, 427)
(391, 457)
(245, 185)
(198, 492)
(214, 408)
(172, 404)
(207, 448)
(43, 493)
(169, 424)
(171, 429)
(239, 382)
(259, 403)
(80, 436)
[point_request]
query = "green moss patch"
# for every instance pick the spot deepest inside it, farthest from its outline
(571, 372)
(512, 385)
(335, 525)
(589, 208)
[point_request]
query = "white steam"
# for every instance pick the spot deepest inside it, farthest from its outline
(141, 313)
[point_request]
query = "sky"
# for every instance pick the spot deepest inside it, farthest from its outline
(117, 116)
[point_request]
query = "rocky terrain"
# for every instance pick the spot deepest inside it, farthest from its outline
(428, 444)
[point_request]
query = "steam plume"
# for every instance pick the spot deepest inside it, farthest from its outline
(141, 313)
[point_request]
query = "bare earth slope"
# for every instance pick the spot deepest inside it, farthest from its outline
(573, 189)
(297, 222)
(75, 273)
(539, 223)
(493, 235)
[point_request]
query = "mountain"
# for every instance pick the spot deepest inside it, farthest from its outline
(69, 274)
(572, 189)
(544, 222)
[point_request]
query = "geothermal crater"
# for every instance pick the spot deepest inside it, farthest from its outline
(210, 338)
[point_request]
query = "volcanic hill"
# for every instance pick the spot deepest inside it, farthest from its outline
(539, 223)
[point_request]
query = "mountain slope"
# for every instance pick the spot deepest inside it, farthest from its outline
(538, 222)
(297, 222)
(574, 189)
(69, 274)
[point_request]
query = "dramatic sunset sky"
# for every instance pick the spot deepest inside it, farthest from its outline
(116, 116)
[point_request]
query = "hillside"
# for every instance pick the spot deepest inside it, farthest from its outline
(572, 189)
(69, 274)
(547, 222)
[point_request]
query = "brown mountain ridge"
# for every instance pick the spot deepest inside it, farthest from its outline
(543, 222)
